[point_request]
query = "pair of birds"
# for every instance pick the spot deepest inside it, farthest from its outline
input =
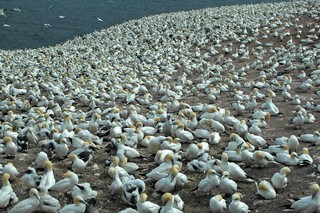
(40, 201)
(218, 204)
(173, 204)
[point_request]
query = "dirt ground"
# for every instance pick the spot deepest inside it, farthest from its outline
(300, 178)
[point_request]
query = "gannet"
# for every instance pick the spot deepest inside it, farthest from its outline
(308, 203)
(28, 205)
(279, 179)
(313, 138)
(40, 159)
(234, 170)
(168, 199)
(217, 204)
(47, 179)
(144, 206)
(237, 206)
(210, 182)
(298, 120)
(77, 165)
(47, 202)
(78, 206)
(168, 183)
(291, 159)
(30, 178)
(262, 158)
(85, 191)
(11, 170)
(116, 185)
(255, 140)
(227, 185)
(7, 195)
(265, 189)
(66, 184)
(11, 148)
(131, 189)
(163, 169)
(305, 158)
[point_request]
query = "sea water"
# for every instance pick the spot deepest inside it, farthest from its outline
(37, 23)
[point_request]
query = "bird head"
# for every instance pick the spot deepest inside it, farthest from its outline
(143, 197)
(7, 139)
(263, 186)
(285, 170)
(166, 197)
(236, 197)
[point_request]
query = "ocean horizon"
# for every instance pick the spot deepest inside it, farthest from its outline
(32, 24)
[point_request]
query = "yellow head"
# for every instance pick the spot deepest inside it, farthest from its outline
(167, 197)
(285, 170)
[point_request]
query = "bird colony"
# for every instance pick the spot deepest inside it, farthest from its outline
(213, 110)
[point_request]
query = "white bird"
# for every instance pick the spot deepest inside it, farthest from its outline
(85, 191)
(237, 206)
(313, 138)
(167, 184)
(210, 182)
(39, 162)
(309, 203)
(116, 184)
(28, 205)
(214, 138)
(255, 140)
(247, 155)
(2, 12)
(262, 158)
(7, 195)
(181, 179)
(298, 120)
(227, 185)
(12, 170)
(279, 180)
(163, 169)
(11, 148)
(292, 143)
(167, 198)
(47, 179)
(291, 159)
(131, 190)
(305, 158)
(233, 169)
(47, 25)
(270, 107)
(145, 206)
(78, 206)
(30, 178)
(265, 190)
(66, 184)
(184, 135)
(217, 204)
(241, 128)
(78, 165)
(47, 202)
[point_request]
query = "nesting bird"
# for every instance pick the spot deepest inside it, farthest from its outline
(7, 195)
(279, 180)
(28, 205)
(66, 184)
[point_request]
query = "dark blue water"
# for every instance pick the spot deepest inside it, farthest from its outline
(27, 29)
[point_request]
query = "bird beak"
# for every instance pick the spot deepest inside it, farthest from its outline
(85, 202)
